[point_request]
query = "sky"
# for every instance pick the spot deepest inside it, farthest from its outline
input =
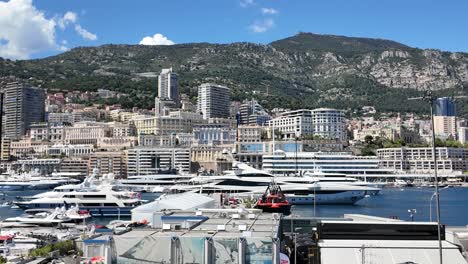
(40, 28)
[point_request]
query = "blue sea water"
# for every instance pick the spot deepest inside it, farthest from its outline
(390, 202)
(395, 202)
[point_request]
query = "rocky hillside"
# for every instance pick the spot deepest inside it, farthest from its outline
(305, 70)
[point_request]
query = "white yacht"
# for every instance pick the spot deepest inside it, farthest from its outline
(58, 216)
(339, 178)
(99, 199)
(298, 190)
(31, 181)
(157, 183)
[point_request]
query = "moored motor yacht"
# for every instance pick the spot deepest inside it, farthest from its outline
(156, 183)
(31, 181)
(42, 219)
(299, 190)
(102, 202)
(99, 198)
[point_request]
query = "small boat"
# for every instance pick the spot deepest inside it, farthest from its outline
(273, 200)
(402, 183)
(6, 204)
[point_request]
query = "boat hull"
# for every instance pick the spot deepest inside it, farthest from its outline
(286, 210)
(342, 198)
(23, 187)
(94, 211)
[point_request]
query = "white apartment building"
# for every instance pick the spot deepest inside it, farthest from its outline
(65, 117)
(59, 150)
(168, 86)
(39, 131)
(213, 100)
(420, 160)
(47, 131)
(176, 122)
(463, 135)
(122, 130)
(86, 133)
(329, 123)
(213, 134)
(150, 160)
(292, 124)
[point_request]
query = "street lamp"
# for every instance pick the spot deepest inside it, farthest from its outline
(430, 203)
(295, 243)
(429, 98)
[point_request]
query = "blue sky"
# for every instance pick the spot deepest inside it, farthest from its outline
(425, 24)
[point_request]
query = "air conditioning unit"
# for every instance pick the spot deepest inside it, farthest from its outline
(198, 213)
(242, 227)
(235, 216)
(166, 227)
(251, 216)
(221, 227)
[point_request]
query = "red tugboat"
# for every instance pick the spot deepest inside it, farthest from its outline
(274, 201)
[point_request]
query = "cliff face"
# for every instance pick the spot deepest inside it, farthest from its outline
(305, 70)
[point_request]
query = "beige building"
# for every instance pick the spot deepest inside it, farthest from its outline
(74, 165)
(109, 162)
(209, 158)
(249, 133)
(28, 148)
(145, 125)
(116, 143)
(445, 126)
(5, 149)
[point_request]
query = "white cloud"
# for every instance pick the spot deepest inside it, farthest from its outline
(156, 39)
(72, 18)
(85, 33)
(246, 3)
(269, 11)
(262, 26)
(69, 17)
(24, 30)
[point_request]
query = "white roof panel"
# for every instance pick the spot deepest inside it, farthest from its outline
(387, 252)
(184, 201)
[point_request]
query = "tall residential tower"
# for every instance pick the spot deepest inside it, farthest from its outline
(213, 101)
(168, 86)
(22, 106)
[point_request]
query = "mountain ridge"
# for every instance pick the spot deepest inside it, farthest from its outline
(302, 70)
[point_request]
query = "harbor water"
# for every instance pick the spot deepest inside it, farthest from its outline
(391, 202)
(395, 202)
